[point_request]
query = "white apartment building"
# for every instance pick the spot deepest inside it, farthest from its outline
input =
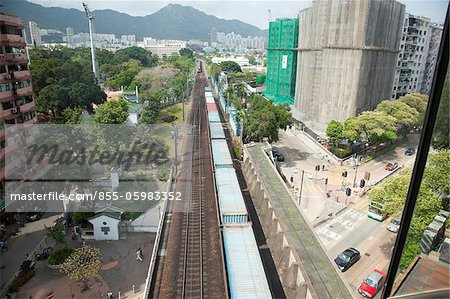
(433, 49)
(242, 61)
(166, 47)
(35, 34)
(412, 58)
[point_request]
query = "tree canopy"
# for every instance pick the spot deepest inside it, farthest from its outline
(230, 66)
(335, 131)
(432, 197)
(113, 112)
(263, 119)
(441, 132)
(63, 78)
(82, 264)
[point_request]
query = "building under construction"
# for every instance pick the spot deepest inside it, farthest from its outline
(347, 54)
(282, 60)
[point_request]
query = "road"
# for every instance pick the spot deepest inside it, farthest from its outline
(354, 229)
(26, 242)
(350, 227)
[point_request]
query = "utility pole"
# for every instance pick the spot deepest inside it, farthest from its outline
(91, 35)
(175, 138)
(301, 188)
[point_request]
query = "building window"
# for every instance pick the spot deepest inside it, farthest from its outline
(5, 87)
(10, 30)
(7, 105)
(2, 69)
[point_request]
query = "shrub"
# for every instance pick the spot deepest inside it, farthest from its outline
(341, 152)
(162, 175)
(59, 256)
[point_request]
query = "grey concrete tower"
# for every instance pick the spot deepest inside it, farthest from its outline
(347, 56)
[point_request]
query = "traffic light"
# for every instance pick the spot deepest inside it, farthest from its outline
(348, 191)
(317, 167)
(326, 181)
(344, 174)
(362, 183)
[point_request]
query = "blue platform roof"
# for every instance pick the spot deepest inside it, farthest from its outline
(216, 130)
(221, 154)
(213, 117)
(246, 275)
(231, 201)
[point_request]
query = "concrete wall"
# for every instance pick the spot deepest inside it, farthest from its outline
(286, 260)
(346, 57)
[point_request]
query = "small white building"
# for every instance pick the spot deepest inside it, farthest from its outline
(242, 61)
(106, 223)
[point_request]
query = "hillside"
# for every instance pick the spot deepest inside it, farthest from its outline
(173, 21)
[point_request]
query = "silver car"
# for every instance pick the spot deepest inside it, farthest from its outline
(394, 225)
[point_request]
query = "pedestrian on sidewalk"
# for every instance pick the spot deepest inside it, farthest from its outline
(139, 255)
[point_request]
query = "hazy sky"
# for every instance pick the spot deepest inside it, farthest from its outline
(252, 12)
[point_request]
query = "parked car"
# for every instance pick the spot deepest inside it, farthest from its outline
(391, 166)
(410, 152)
(277, 155)
(347, 258)
(34, 216)
(394, 225)
(372, 284)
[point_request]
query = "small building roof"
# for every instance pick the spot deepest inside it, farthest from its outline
(424, 274)
(114, 215)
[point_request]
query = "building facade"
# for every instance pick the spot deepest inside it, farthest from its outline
(433, 49)
(165, 48)
(282, 60)
(35, 34)
(412, 59)
(16, 93)
(347, 53)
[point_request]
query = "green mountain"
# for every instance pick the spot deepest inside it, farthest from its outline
(173, 21)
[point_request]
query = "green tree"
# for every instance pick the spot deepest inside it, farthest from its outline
(82, 264)
(392, 192)
(406, 117)
(186, 52)
(417, 101)
(441, 133)
(57, 232)
(335, 131)
(377, 126)
(214, 71)
(352, 130)
(136, 53)
(230, 66)
(240, 90)
(70, 116)
(263, 119)
(113, 112)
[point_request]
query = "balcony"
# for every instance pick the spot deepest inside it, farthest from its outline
(11, 38)
(6, 95)
(27, 107)
(15, 57)
(20, 75)
(26, 91)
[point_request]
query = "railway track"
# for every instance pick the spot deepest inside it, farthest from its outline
(192, 282)
(192, 262)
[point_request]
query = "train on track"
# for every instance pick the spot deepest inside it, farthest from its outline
(245, 272)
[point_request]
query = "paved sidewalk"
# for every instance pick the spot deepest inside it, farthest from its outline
(119, 272)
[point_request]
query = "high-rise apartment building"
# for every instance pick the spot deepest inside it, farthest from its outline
(433, 49)
(412, 59)
(214, 35)
(69, 31)
(16, 94)
(35, 34)
(347, 52)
